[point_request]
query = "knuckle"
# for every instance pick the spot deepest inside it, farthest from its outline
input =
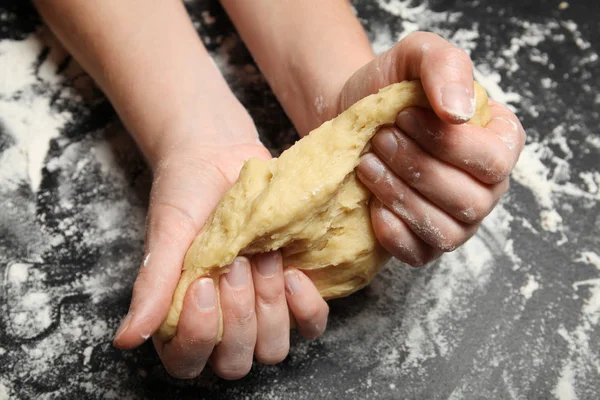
(142, 282)
(309, 314)
(407, 254)
(313, 313)
(243, 313)
(274, 354)
(233, 370)
(314, 330)
(500, 169)
(414, 261)
(447, 242)
(270, 298)
(456, 55)
(475, 209)
(204, 341)
(170, 222)
(386, 235)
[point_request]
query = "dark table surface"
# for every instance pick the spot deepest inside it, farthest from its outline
(514, 314)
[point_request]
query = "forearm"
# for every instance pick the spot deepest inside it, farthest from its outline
(306, 50)
(148, 60)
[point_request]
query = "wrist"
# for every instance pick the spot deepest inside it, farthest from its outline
(321, 94)
(305, 49)
(205, 123)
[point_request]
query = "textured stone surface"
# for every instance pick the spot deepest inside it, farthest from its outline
(513, 314)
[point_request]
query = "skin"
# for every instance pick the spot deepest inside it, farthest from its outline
(434, 178)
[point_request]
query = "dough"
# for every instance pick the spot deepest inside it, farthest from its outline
(308, 203)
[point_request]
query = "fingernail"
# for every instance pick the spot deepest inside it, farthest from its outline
(292, 282)
(386, 143)
(205, 294)
(124, 325)
(371, 168)
(457, 101)
(409, 124)
(267, 264)
(238, 272)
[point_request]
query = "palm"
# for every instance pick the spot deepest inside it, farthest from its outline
(195, 178)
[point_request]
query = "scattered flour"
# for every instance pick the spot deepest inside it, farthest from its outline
(531, 286)
(319, 104)
(29, 118)
(44, 330)
(435, 304)
(589, 257)
(4, 391)
(564, 389)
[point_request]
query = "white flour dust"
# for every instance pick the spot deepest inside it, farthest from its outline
(531, 286)
(28, 118)
(434, 307)
(29, 87)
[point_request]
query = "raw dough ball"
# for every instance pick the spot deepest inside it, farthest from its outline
(308, 202)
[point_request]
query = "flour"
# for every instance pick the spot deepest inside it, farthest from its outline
(579, 339)
(30, 118)
(592, 180)
(319, 104)
(100, 220)
(4, 390)
(589, 257)
(564, 389)
(531, 286)
(18, 273)
(37, 310)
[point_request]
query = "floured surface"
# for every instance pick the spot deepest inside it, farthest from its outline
(530, 279)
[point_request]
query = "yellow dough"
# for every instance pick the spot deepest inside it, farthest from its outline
(308, 203)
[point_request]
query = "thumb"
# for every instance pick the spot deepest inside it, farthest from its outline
(182, 198)
(445, 71)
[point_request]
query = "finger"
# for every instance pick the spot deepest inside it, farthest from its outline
(507, 126)
(176, 213)
(306, 304)
(489, 153)
(232, 358)
(186, 354)
(426, 220)
(398, 239)
(451, 189)
(272, 316)
(446, 73)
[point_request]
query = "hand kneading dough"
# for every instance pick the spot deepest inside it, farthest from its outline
(308, 203)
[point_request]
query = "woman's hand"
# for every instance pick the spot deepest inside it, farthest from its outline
(434, 177)
(195, 135)
(255, 295)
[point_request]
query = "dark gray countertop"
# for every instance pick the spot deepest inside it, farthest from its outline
(514, 314)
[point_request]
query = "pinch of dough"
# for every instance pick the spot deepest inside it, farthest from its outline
(308, 203)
